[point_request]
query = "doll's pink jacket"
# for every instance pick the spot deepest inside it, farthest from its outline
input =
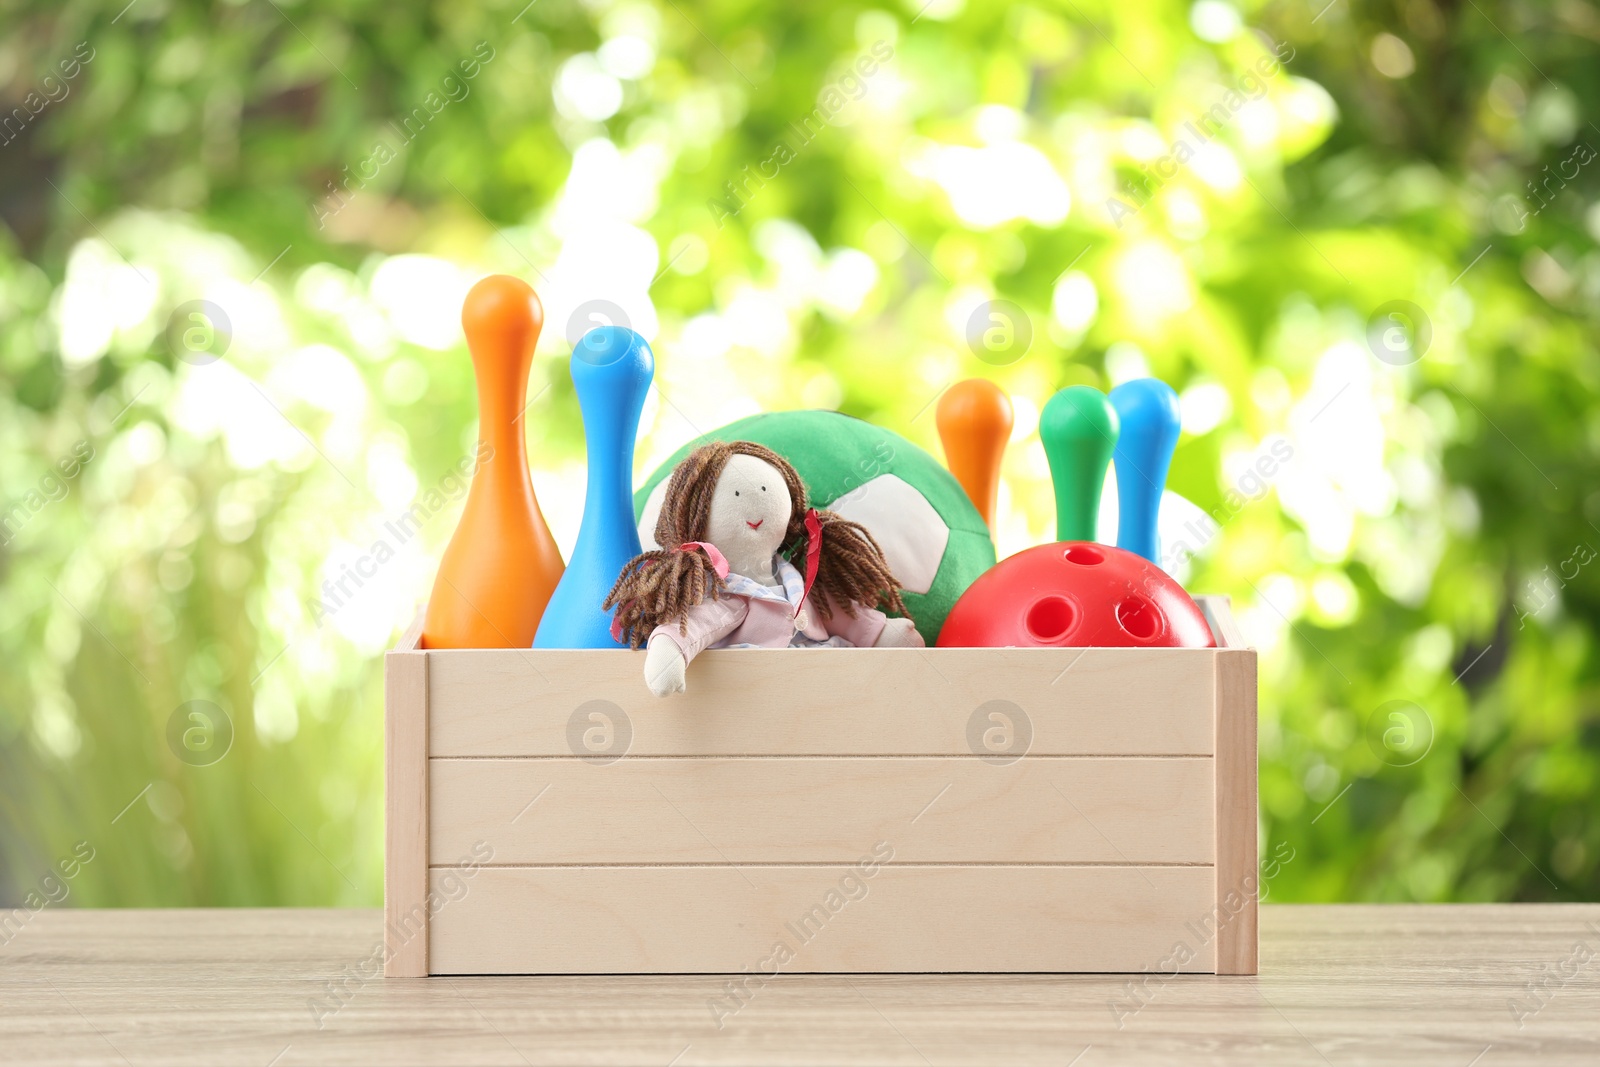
(748, 613)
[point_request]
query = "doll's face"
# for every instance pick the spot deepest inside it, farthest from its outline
(750, 509)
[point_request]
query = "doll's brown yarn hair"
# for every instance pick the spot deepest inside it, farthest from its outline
(661, 586)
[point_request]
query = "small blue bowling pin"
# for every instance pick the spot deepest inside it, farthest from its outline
(1148, 410)
(611, 370)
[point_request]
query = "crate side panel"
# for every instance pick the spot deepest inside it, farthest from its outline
(1237, 820)
(778, 810)
(802, 702)
(405, 860)
(608, 920)
(1218, 611)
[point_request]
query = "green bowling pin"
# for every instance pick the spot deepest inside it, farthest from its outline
(1079, 429)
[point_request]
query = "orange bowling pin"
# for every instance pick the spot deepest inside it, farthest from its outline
(501, 564)
(974, 419)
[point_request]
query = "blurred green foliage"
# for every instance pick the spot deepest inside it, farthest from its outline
(1428, 542)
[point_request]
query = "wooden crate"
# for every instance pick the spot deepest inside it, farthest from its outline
(833, 810)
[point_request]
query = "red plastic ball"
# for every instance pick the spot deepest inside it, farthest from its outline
(1075, 594)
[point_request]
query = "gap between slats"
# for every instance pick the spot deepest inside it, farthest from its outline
(796, 863)
(610, 761)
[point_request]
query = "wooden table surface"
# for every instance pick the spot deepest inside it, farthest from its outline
(1454, 985)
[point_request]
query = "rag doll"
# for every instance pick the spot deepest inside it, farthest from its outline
(747, 563)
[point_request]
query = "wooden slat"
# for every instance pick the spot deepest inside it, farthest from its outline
(1103, 701)
(741, 810)
(1237, 874)
(1218, 611)
(726, 919)
(411, 640)
(405, 866)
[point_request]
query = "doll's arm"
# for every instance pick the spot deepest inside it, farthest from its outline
(667, 660)
(899, 633)
(870, 628)
(664, 668)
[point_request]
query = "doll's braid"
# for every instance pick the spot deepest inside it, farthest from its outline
(851, 569)
(663, 584)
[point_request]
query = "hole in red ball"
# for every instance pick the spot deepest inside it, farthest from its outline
(1084, 555)
(1139, 617)
(1051, 618)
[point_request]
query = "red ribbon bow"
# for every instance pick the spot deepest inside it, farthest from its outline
(719, 562)
(813, 554)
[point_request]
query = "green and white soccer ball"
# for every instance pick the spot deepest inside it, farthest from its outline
(934, 540)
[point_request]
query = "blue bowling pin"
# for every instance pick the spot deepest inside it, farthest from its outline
(611, 370)
(1148, 410)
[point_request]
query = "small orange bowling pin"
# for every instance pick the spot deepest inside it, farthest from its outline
(974, 419)
(502, 564)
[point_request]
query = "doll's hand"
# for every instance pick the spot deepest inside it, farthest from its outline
(899, 633)
(664, 668)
